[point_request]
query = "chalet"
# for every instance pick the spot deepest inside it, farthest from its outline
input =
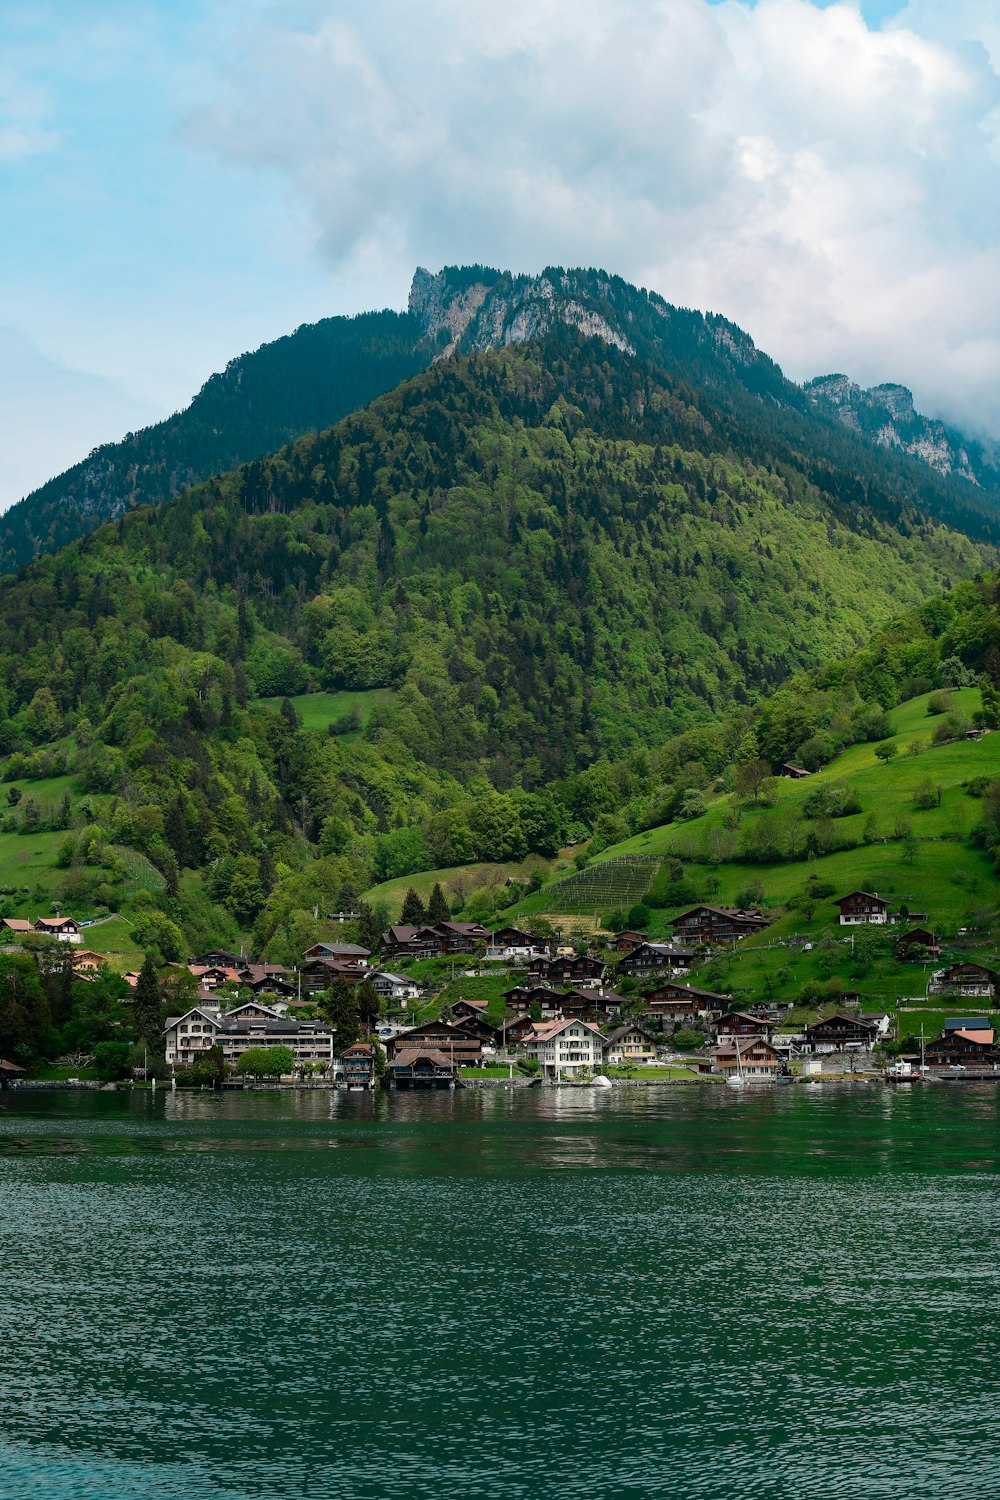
(747, 1057)
(718, 924)
(340, 917)
(463, 1010)
(421, 1068)
(609, 1002)
(484, 1031)
(438, 1036)
(966, 979)
(631, 1043)
(839, 1032)
(210, 977)
(396, 989)
(437, 940)
(86, 960)
(918, 940)
(512, 942)
(647, 959)
(862, 907)
(736, 1023)
(17, 924)
(552, 1004)
(567, 968)
(880, 1019)
(511, 1033)
(792, 772)
(347, 953)
(565, 1048)
(967, 1042)
(271, 986)
(358, 1062)
(216, 956)
(319, 974)
(205, 1026)
(625, 941)
(66, 929)
(681, 1002)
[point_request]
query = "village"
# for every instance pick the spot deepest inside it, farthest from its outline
(563, 1018)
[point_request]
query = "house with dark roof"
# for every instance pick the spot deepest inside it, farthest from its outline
(670, 1001)
(839, 1032)
(965, 1041)
(718, 924)
(974, 980)
(646, 959)
(860, 908)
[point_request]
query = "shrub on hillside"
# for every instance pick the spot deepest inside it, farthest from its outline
(978, 786)
(940, 702)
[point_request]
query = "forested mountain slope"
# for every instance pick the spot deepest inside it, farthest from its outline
(297, 384)
(322, 372)
(545, 560)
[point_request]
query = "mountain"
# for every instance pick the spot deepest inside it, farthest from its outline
(297, 384)
(322, 372)
(524, 568)
(885, 415)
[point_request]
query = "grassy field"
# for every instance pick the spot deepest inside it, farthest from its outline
(114, 939)
(319, 710)
(457, 878)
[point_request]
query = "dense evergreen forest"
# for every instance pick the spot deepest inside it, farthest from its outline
(562, 577)
(324, 371)
(297, 384)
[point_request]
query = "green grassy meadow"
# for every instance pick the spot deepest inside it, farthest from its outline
(465, 877)
(319, 710)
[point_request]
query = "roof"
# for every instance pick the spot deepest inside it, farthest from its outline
(742, 1044)
(968, 1023)
(868, 895)
(984, 1038)
(546, 1030)
(18, 924)
(56, 922)
(743, 1015)
(724, 911)
(408, 1058)
(840, 1016)
(9, 1067)
(686, 989)
(350, 950)
(620, 1031)
(476, 1004)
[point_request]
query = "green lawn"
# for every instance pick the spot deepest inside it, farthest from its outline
(114, 939)
(645, 1072)
(457, 879)
(318, 710)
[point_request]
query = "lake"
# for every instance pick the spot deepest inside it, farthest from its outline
(684, 1291)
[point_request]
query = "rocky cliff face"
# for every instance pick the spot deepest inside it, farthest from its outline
(885, 414)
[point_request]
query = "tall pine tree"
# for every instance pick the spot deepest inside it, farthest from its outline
(413, 914)
(147, 1009)
(438, 909)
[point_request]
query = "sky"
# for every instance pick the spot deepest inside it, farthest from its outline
(182, 180)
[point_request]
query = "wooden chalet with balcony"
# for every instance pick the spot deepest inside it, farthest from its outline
(669, 1001)
(861, 908)
(318, 974)
(837, 1032)
(358, 1062)
(647, 959)
(512, 943)
(434, 940)
(737, 1023)
(550, 1004)
(974, 980)
(566, 968)
(455, 1043)
(966, 1042)
(348, 953)
(748, 1057)
(709, 925)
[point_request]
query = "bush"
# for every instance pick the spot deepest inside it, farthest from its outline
(886, 750)
(686, 1040)
(111, 1059)
(691, 805)
(940, 702)
(926, 796)
(978, 786)
(752, 894)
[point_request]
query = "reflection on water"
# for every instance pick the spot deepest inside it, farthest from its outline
(512, 1294)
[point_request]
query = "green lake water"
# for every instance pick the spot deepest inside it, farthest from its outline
(676, 1292)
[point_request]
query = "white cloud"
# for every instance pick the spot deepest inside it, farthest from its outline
(831, 187)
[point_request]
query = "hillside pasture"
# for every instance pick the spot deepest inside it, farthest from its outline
(320, 710)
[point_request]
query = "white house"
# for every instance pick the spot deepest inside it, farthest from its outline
(396, 988)
(566, 1049)
(250, 1025)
